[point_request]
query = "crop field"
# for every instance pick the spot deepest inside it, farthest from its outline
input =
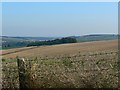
(56, 50)
(78, 65)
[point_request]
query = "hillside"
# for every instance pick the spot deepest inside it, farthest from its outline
(62, 49)
(78, 65)
(16, 42)
(13, 42)
(10, 39)
(96, 37)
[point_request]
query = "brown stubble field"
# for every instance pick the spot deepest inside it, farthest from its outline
(78, 65)
(62, 49)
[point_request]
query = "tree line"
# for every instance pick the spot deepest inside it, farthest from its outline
(53, 42)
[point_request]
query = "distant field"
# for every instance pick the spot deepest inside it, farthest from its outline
(16, 42)
(62, 49)
(78, 65)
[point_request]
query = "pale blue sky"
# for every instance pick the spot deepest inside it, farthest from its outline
(59, 19)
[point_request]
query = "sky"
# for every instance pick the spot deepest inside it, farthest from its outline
(54, 19)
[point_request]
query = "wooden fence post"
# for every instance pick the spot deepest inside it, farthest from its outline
(23, 75)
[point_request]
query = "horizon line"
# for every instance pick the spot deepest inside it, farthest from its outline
(59, 36)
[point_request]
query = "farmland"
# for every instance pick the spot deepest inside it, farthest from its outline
(61, 49)
(77, 65)
(17, 42)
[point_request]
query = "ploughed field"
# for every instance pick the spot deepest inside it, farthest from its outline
(77, 65)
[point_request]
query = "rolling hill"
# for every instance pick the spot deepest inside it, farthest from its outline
(62, 49)
(96, 37)
(15, 42)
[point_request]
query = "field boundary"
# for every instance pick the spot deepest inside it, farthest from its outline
(18, 51)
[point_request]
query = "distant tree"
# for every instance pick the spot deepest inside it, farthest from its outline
(53, 42)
